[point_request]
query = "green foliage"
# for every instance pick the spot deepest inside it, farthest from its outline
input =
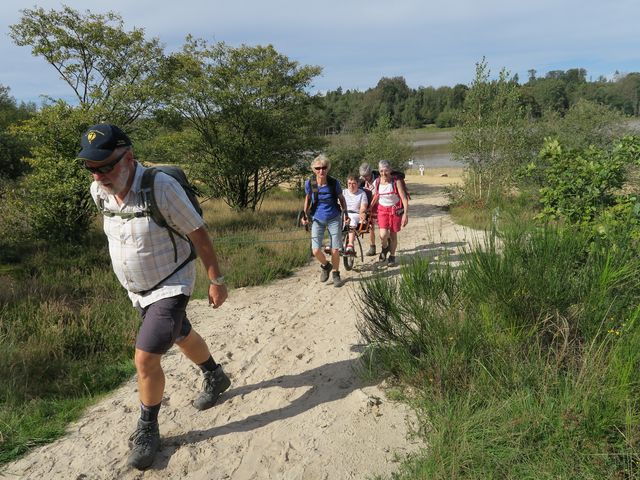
(585, 123)
(104, 65)
(12, 148)
(66, 331)
(620, 223)
(524, 358)
(581, 183)
(493, 139)
(347, 153)
(56, 198)
(249, 107)
(446, 119)
(382, 144)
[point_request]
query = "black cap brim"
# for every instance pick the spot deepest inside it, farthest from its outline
(94, 154)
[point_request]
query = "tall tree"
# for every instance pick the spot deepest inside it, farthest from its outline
(249, 106)
(104, 65)
(113, 74)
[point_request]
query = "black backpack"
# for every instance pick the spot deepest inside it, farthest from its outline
(315, 195)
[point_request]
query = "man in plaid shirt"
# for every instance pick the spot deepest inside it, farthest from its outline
(150, 264)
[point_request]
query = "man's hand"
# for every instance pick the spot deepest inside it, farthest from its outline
(217, 295)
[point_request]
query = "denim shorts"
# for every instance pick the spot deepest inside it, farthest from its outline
(335, 232)
(163, 322)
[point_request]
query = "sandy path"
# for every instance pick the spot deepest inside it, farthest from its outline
(296, 408)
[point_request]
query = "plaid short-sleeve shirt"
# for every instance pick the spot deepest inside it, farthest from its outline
(142, 253)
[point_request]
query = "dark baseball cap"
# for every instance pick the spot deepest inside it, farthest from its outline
(99, 142)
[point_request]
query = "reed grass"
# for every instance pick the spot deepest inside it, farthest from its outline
(524, 356)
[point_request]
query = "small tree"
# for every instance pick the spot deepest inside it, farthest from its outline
(249, 107)
(493, 136)
(579, 184)
(57, 200)
(382, 144)
(347, 153)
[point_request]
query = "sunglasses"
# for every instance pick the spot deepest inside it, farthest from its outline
(108, 167)
(320, 168)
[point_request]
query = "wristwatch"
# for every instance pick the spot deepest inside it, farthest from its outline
(217, 281)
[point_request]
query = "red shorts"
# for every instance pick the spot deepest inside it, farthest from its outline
(387, 218)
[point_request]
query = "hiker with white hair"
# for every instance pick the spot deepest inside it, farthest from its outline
(390, 197)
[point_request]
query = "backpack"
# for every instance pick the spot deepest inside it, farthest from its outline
(396, 176)
(152, 210)
(315, 195)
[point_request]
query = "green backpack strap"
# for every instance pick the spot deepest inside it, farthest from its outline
(125, 215)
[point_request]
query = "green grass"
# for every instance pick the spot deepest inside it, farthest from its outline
(67, 327)
(525, 356)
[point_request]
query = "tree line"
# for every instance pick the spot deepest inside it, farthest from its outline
(554, 92)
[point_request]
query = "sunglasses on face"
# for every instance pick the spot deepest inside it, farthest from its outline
(108, 167)
(320, 168)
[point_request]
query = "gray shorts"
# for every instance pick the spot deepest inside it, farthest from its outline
(163, 323)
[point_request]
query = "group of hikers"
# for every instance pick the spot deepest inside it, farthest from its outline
(155, 230)
(375, 197)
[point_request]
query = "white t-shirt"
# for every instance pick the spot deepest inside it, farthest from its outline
(354, 203)
(387, 196)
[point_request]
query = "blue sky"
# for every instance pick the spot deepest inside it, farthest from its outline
(357, 42)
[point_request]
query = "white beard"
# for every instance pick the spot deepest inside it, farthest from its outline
(118, 184)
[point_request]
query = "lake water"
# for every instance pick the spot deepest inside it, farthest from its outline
(437, 160)
(434, 160)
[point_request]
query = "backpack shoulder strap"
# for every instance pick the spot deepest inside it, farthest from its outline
(313, 187)
(333, 188)
(148, 192)
(125, 215)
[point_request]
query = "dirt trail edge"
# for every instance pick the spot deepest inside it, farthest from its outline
(296, 408)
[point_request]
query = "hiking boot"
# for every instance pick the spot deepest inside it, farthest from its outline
(391, 261)
(144, 443)
(372, 251)
(337, 281)
(383, 253)
(326, 268)
(214, 383)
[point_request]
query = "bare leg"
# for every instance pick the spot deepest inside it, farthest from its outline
(194, 348)
(384, 237)
(319, 254)
(150, 377)
(393, 243)
(335, 259)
